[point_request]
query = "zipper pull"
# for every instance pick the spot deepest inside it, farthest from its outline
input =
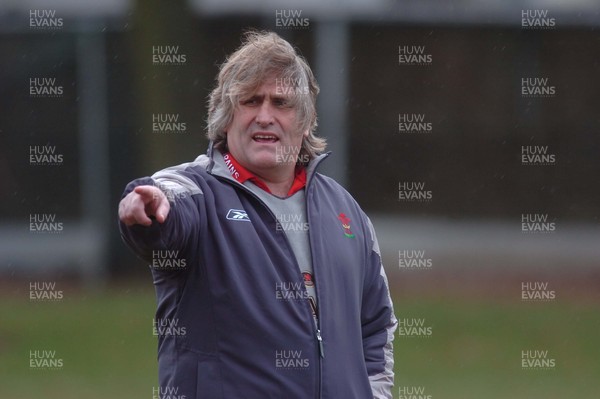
(320, 339)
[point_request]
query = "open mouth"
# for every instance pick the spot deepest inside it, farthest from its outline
(265, 138)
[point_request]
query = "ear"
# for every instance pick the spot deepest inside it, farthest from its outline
(306, 133)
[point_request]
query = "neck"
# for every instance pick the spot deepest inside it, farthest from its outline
(278, 181)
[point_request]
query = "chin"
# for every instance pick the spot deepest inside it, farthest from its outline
(264, 160)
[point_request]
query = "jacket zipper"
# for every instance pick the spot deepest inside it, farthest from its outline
(320, 339)
(316, 326)
(318, 323)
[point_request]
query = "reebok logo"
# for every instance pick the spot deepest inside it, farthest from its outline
(238, 215)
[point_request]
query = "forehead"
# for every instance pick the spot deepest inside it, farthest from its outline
(266, 85)
(270, 87)
(272, 80)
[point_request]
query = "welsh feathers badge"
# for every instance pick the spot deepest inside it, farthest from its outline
(346, 225)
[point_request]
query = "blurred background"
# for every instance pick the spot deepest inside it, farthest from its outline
(468, 131)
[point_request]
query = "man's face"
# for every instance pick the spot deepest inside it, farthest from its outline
(263, 134)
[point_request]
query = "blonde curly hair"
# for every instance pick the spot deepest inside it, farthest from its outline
(263, 55)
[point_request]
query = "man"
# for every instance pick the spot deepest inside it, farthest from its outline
(276, 283)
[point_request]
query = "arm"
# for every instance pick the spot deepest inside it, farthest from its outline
(159, 213)
(378, 326)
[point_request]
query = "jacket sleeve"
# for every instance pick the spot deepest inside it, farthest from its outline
(181, 224)
(378, 326)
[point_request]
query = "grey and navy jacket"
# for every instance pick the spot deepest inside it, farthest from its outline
(229, 320)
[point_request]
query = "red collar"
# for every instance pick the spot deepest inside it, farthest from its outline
(241, 174)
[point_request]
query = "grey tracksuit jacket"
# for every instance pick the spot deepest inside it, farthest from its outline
(232, 320)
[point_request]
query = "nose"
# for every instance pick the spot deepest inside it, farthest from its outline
(264, 117)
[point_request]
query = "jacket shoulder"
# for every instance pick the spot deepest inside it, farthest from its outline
(182, 178)
(332, 187)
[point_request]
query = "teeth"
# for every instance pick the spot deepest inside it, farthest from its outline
(259, 136)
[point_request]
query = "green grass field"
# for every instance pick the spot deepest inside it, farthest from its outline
(475, 347)
(108, 351)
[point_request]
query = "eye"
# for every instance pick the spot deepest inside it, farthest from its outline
(281, 102)
(250, 101)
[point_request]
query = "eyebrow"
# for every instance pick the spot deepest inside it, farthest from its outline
(262, 97)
